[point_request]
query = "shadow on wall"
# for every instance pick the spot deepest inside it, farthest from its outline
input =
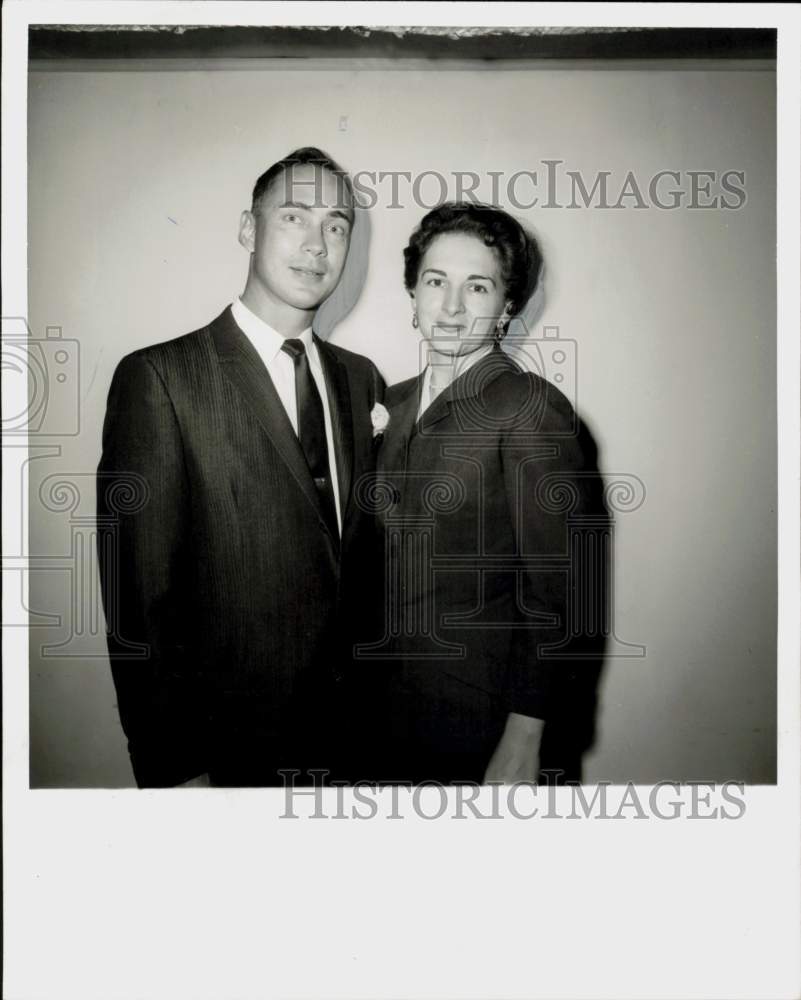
(354, 275)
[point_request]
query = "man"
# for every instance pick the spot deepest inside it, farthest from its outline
(240, 571)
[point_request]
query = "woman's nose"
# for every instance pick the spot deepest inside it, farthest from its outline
(453, 302)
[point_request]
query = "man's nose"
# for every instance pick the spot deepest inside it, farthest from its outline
(314, 242)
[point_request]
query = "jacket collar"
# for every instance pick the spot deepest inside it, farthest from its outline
(466, 386)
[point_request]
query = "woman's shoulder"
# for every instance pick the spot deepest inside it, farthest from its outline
(515, 391)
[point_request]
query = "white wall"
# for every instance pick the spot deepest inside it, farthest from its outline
(136, 184)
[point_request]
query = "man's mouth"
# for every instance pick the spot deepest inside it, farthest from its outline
(308, 272)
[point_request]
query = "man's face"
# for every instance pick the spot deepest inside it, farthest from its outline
(298, 238)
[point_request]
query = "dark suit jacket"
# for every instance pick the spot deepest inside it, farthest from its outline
(222, 565)
(485, 489)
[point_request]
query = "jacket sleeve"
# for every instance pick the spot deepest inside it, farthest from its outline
(143, 524)
(550, 478)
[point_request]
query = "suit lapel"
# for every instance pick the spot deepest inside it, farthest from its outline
(438, 410)
(402, 421)
(241, 364)
(467, 386)
(336, 379)
(403, 401)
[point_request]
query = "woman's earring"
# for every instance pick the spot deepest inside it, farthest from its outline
(415, 324)
(502, 323)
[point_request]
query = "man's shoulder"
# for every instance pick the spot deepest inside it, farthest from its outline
(174, 348)
(349, 358)
(400, 390)
(359, 367)
(188, 349)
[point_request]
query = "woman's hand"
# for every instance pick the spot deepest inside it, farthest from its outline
(201, 781)
(516, 758)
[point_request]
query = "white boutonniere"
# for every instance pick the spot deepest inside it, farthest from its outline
(380, 418)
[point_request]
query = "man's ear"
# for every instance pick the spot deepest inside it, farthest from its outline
(247, 230)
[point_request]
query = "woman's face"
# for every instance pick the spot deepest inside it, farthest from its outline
(459, 294)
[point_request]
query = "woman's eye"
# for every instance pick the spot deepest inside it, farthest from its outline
(434, 282)
(478, 288)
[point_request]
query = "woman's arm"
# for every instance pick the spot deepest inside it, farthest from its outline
(545, 475)
(516, 758)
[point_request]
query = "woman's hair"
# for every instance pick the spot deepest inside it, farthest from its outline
(518, 253)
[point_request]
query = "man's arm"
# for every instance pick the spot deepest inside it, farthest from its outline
(145, 578)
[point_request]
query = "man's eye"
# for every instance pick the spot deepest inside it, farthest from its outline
(292, 217)
(338, 229)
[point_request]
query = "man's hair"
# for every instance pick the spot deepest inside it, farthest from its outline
(297, 158)
(517, 251)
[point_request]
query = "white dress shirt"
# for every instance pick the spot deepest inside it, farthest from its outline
(281, 368)
(442, 370)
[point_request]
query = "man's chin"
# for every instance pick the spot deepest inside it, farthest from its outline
(309, 303)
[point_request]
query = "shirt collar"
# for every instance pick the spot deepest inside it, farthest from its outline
(457, 367)
(268, 340)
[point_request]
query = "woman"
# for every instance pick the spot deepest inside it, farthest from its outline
(476, 461)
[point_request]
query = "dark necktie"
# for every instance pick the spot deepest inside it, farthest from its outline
(311, 430)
